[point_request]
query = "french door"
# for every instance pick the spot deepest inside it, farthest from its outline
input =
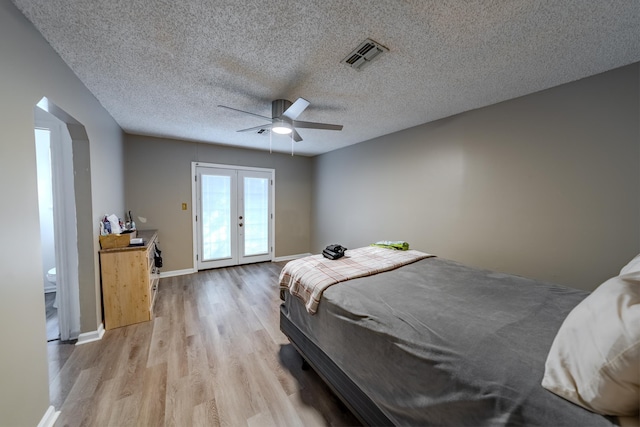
(234, 215)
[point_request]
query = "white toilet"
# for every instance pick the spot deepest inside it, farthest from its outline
(51, 277)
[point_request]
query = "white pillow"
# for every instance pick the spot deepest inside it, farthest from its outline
(594, 360)
(633, 265)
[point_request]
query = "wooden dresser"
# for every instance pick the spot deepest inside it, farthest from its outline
(129, 282)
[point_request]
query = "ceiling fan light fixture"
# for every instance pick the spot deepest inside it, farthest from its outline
(283, 120)
(282, 129)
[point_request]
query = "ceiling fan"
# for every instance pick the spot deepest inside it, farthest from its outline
(283, 118)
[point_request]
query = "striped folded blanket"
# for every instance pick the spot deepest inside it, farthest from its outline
(306, 278)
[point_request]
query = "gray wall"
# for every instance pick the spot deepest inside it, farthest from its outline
(158, 181)
(545, 186)
(29, 70)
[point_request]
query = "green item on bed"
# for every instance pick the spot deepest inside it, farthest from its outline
(396, 245)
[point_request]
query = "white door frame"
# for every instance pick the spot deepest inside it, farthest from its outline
(194, 204)
(64, 219)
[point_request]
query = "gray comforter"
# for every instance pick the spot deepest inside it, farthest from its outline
(439, 343)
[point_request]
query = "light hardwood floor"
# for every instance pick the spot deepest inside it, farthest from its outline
(212, 355)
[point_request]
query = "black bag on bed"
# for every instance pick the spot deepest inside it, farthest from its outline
(334, 251)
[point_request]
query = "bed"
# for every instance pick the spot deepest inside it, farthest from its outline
(435, 342)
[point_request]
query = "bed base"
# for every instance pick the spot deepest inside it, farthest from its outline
(343, 387)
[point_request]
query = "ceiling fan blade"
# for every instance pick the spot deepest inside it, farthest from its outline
(313, 125)
(296, 108)
(296, 136)
(267, 126)
(245, 112)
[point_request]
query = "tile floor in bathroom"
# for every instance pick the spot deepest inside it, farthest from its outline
(52, 316)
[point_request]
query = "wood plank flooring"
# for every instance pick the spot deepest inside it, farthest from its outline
(212, 356)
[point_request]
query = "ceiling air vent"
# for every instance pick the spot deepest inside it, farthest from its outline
(364, 54)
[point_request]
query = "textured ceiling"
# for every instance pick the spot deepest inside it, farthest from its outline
(160, 67)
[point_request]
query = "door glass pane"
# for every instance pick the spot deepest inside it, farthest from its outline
(256, 213)
(216, 217)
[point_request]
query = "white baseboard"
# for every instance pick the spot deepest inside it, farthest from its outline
(177, 272)
(49, 418)
(290, 257)
(92, 336)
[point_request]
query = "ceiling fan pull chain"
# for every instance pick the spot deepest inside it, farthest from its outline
(291, 144)
(270, 136)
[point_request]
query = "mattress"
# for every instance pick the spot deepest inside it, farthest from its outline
(439, 343)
